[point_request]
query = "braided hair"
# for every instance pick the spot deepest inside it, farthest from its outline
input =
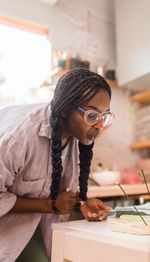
(76, 86)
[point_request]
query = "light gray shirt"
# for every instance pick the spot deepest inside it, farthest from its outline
(25, 171)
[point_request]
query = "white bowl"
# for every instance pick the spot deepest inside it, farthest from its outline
(105, 178)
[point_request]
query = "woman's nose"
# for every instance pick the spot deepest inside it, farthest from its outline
(99, 125)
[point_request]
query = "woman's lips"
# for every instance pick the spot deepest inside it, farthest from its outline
(92, 137)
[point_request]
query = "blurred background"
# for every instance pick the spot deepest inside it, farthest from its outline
(42, 39)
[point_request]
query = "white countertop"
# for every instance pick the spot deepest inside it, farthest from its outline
(100, 231)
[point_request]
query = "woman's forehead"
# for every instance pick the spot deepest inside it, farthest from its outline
(100, 102)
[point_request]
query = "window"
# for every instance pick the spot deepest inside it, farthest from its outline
(25, 62)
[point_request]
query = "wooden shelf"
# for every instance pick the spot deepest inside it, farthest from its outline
(143, 97)
(141, 83)
(114, 190)
(140, 144)
(112, 83)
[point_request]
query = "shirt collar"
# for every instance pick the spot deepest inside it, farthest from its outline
(45, 128)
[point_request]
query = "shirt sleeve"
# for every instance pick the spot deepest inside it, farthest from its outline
(8, 169)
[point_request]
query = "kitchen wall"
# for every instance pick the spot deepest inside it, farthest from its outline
(86, 28)
(112, 148)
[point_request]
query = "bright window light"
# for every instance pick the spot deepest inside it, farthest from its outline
(25, 62)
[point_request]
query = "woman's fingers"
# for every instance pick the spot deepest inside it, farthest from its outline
(71, 195)
(96, 216)
(92, 216)
(103, 206)
(72, 200)
(103, 216)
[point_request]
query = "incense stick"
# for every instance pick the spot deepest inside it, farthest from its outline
(145, 181)
(117, 183)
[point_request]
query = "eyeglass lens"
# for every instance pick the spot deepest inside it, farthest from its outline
(93, 117)
(106, 120)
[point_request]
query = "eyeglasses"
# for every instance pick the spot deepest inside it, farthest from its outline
(92, 117)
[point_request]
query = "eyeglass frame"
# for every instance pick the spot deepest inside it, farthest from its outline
(100, 116)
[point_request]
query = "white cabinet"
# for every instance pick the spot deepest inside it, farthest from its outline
(83, 241)
(132, 39)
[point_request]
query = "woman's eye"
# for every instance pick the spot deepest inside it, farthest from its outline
(92, 116)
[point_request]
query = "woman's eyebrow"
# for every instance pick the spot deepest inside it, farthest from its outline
(96, 109)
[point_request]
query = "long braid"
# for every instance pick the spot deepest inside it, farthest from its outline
(56, 157)
(75, 87)
(85, 157)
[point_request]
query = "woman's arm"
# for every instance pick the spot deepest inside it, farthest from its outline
(64, 203)
(32, 205)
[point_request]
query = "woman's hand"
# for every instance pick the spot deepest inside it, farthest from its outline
(66, 201)
(94, 210)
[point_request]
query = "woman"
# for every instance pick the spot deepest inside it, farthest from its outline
(45, 149)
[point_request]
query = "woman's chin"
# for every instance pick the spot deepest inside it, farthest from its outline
(86, 142)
